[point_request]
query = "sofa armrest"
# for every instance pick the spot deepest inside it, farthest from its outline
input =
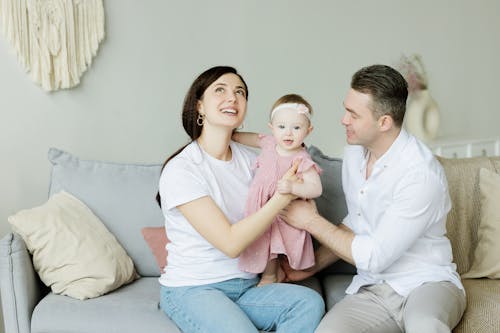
(20, 289)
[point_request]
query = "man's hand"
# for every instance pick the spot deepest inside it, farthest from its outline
(300, 213)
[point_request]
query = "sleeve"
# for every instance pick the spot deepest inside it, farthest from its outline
(266, 141)
(417, 204)
(181, 182)
(307, 163)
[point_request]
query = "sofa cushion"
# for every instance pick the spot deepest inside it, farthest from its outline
(483, 306)
(331, 204)
(73, 252)
(132, 308)
(487, 253)
(121, 195)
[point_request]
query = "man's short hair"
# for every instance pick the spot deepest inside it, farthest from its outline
(388, 88)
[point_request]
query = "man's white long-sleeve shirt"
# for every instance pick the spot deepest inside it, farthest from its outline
(398, 216)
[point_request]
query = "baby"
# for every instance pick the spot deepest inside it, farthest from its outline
(290, 124)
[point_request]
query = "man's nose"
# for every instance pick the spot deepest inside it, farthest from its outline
(345, 119)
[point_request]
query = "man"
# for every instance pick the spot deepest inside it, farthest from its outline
(394, 233)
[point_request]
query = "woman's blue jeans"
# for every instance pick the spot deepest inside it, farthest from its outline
(237, 305)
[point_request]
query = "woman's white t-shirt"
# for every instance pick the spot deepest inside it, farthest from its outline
(190, 175)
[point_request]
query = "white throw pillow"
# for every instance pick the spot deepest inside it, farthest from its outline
(72, 250)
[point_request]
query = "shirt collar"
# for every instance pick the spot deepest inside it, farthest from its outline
(392, 154)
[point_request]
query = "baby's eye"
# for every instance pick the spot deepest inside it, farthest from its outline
(296, 128)
(281, 126)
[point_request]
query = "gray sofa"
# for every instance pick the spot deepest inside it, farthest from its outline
(122, 196)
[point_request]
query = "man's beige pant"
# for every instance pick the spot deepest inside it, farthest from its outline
(432, 307)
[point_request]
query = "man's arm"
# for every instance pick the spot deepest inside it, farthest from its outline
(302, 214)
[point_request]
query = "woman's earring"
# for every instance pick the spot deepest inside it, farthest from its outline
(241, 127)
(200, 120)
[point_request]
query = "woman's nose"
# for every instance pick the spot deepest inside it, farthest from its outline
(231, 96)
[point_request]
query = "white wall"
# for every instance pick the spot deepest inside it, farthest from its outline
(127, 107)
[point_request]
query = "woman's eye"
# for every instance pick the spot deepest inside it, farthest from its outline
(241, 92)
(219, 89)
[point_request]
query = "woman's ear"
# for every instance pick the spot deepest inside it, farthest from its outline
(199, 107)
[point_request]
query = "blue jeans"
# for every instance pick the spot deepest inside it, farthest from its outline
(237, 305)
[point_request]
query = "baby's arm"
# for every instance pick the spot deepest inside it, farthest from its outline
(247, 138)
(309, 188)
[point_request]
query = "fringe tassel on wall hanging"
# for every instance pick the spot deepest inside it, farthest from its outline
(55, 40)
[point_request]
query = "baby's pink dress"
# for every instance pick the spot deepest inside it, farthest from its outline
(280, 238)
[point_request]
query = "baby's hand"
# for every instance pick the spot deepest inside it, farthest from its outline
(284, 186)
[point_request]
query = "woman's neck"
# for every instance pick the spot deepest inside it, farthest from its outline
(216, 144)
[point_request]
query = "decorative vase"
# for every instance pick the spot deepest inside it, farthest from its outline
(422, 115)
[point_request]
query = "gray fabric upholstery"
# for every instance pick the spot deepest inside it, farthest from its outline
(334, 287)
(331, 204)
(19, 284)
(121, 195)
(132, 308)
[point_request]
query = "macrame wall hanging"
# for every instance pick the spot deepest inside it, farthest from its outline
(55, 40)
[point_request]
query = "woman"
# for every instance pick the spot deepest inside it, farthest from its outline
(203, 188)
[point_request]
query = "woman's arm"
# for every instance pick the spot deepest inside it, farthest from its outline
(247, 138)
(310, 186)
(209, 220)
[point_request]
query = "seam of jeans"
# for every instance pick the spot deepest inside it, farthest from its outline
(177, 311)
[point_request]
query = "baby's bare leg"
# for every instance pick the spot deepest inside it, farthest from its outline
(270, 274)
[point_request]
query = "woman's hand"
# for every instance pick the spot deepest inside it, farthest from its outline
(289, 177)
(284, 186)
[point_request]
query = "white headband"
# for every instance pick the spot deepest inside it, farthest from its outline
(300, 108)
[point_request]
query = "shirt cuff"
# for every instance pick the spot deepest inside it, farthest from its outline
(361, 248)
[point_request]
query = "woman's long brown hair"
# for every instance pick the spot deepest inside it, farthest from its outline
(190, 107)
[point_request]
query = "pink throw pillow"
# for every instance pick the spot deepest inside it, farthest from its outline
(156, 237)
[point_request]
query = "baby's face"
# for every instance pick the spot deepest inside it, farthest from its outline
(290, 128)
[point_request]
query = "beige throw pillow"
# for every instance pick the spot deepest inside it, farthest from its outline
(487, 254)
(72, 250)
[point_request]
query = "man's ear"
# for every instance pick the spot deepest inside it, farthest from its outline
(385, 123)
